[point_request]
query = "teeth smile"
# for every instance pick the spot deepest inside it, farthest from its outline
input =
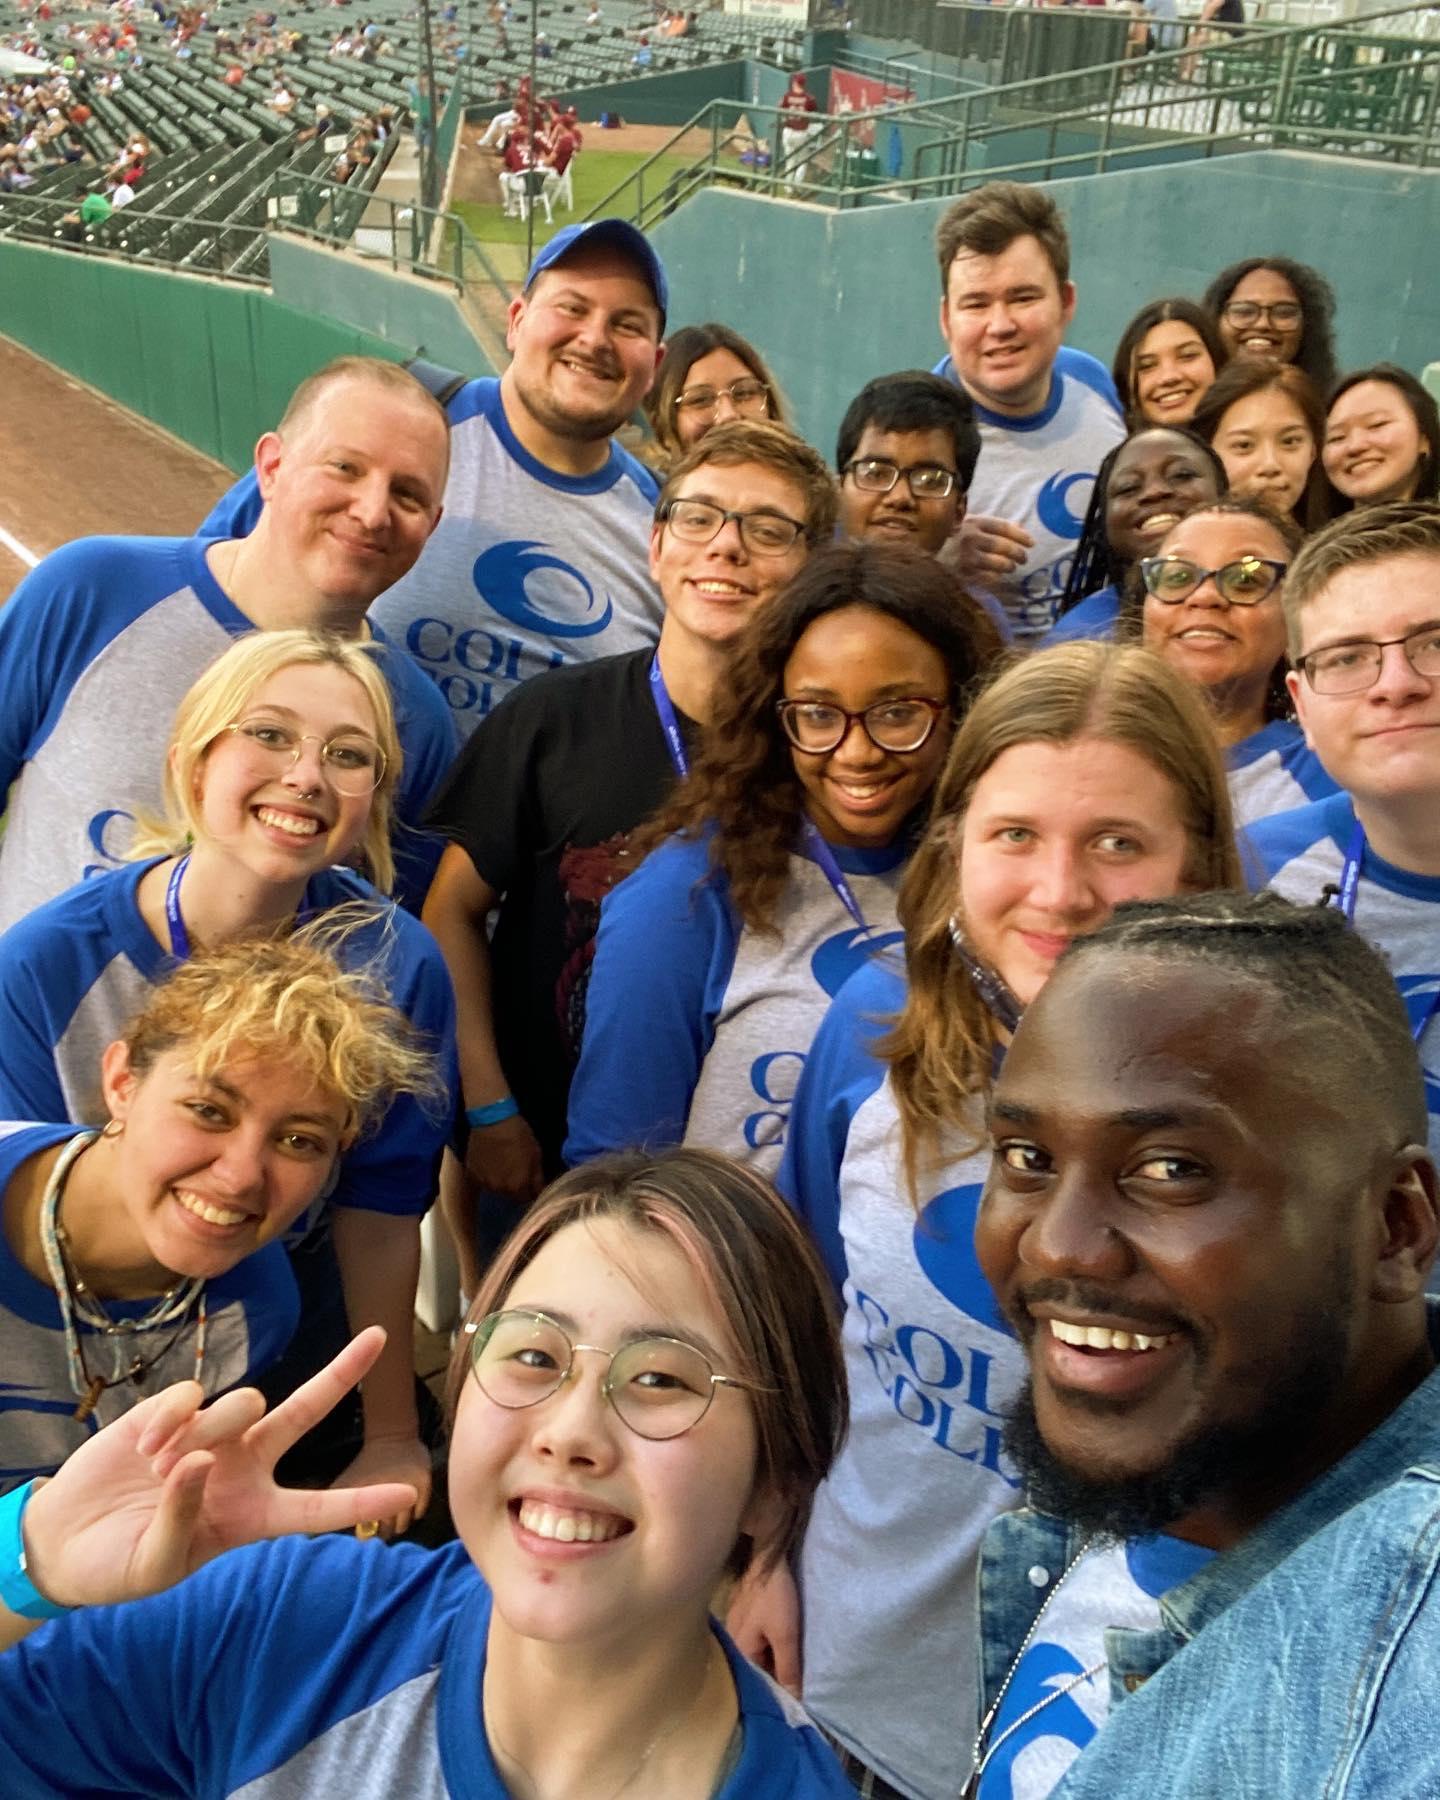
(203, 1209)
(291, 823)
(857, 791)
(1100, 1337)
(568, 1527)
(726, 590)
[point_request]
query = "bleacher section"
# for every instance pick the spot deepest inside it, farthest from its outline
(217, 143)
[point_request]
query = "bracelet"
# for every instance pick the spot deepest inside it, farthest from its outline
(17, 1590)
(495, 1113)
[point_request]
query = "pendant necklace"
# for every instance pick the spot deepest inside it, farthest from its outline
(645, 1755)
(79, 1306)
(984, 1749)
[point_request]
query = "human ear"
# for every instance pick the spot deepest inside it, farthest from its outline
(267, 463)
(766, 1517)
(1409, 1228)
(118, 1081)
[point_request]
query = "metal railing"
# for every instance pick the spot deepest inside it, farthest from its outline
(1364, 87)
(412, 239)
(177, 241)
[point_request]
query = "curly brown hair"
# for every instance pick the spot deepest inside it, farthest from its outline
(743, 791)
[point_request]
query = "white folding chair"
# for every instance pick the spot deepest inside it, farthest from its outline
(534, 185)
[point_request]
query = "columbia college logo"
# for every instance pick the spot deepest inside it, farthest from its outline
(1054, 509)
(503, 577)
(542, 599)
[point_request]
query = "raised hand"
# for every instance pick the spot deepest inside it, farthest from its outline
(170, 1485)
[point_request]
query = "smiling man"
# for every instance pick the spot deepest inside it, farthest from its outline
(99, 644)
(1362, 610)
(541, 558)
(1209, 1218)
(906, 454)
(1047, 414)
(541, 804)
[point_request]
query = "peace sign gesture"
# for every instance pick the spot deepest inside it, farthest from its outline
(169, 1486)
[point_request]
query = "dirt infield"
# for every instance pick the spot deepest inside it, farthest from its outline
(73, 463)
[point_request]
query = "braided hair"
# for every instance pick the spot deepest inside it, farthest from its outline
(1321, 971)
(1095, 565)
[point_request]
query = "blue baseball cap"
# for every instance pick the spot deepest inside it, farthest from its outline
(622, 236)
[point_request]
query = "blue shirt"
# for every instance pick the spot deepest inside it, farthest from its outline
(1299, 853)
(1038, 472)
(1273, 771)
(887, 1572)
(76, 971)
(305, 1668)
(98, 647)
(696, 1028)
(1094, 617)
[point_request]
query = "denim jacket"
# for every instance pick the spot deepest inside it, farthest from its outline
(1303, 1664)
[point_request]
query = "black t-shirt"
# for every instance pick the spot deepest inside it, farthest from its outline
(544, 799)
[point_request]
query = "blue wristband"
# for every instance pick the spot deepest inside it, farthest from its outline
(17, 1590)
(495, 1113)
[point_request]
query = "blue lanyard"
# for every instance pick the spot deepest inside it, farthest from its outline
(820, 853)
(669, 723)
(811, 841)
(1345, 900)
(1350, 874)
(175, 919)
(179, 936)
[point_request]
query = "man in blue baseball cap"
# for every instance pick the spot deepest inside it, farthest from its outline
(542, 554)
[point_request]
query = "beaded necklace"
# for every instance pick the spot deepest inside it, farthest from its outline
(79, 1306)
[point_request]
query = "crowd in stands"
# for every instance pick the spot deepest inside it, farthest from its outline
(911, 979)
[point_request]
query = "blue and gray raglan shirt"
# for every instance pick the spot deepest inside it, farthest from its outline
(888, 1569)
(77, 970)
(311, 1667)
(98, 647)
(527, 570)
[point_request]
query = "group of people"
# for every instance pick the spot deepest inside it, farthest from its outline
(532, 134)
(919, 1024)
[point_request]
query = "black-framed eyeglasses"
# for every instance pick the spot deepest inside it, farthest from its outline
(748, 395)
(353, 763)
(660, 1387)
(1250, 312)
(900, 725)
(877, 475)
(1245, 582)
(763, 533)
(1351, 668)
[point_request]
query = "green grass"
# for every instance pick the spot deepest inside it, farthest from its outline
(597, 172)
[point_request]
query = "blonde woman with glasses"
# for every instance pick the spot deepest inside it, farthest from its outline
(281, 767)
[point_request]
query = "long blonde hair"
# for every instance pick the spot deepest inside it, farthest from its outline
(941, 1048)
(219, 697)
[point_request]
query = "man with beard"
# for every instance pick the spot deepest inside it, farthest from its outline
(1209, 1218)
(542, 558)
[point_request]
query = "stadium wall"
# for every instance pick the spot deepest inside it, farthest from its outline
(213, 362)
(673, 98)
(870, 297)
(407, 311)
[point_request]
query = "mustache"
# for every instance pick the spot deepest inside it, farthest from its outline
(605, 366)
(1091, 1297)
